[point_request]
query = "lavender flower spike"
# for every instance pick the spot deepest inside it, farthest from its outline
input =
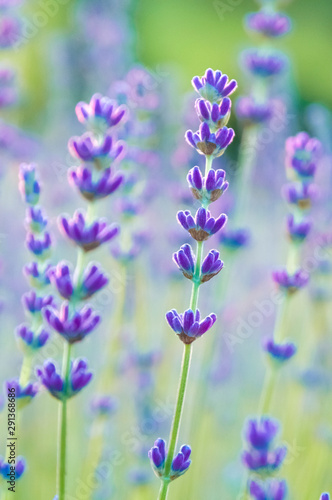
(73, 328)
(291, 283)
(275, 489)
(208, 189)
(81, 177)
(207, 143)
(87, 237)
(92, 281)
(188, 326)
(203, 226)
(78, 378)
(213, 86)
(101, 112)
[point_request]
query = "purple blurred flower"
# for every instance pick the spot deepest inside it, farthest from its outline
(274, 489)
(79, 377)
(88, 237)
(5, 468)
(37, 274)
(260, 433)
(28, 185)
(302, 154)
(91, 189)
(207, 143)
(215, 115)
(298, 231)
(33, 340)
(269, 24)
(207, 189)
(290, 282)
(189, 326)
(234, 238)
(325, 496)
(251, 111)
(86, 148)
(264, 462)
(264, 64)
(34, 304)
(100, 112)
(203, 226)
(10, 31)
(73, 327)
(213, 86)
(91, 282)
(35, 219)
(23, 395)
(41, 248)
(103, 405)
(300, 194)
(279, 352)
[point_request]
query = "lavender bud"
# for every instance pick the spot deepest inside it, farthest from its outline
(302, 154)
(208, 189)
(279, 352)
(264, 64)
(290, 283)
(90, 189)
(213, 86)
(189, 326)
(203, 226)
(5, 468)
(23, 395)
(35, 219)
(31, 339)
(41, 248)
(275, 489)
(269, 24)
(28, 185)
(34, 304)
(298, 231)
(100, 113)
(207, 143)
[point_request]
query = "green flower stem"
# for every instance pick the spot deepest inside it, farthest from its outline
(62, 432)
(186, 359)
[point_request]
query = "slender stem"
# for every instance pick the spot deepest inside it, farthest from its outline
(62, 432)
(26, 369)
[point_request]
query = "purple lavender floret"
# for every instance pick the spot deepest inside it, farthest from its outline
(185, 260)
(213, 86)
(302, 154)
(251, 111)
(211, 266)
(40, 247)
(100, 112)
(81, 177)
(260, 433)
(275, 489)
(203, 226)
(157, 456)
(37, 276)
(28, 185)
(20, 466)
(181, 462)
(189, 326)
(215, 115)
(92, 281)
(298, 231)
(35, 219)
(269, 24)
(325, 496)
(79, 377)
(86, 148)
(290, 283)
(103, 405)
(300, 194)
(10, 31)
(210, 144)
(279, 352)
(32, 339)
(264, 64)
(264, 463)
(23, 395)
(234, 238)
(88, 237)
(207, 189)
(73, 327)
(34, 304)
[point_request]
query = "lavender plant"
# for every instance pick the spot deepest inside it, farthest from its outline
(211, 140)
(95, 180)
